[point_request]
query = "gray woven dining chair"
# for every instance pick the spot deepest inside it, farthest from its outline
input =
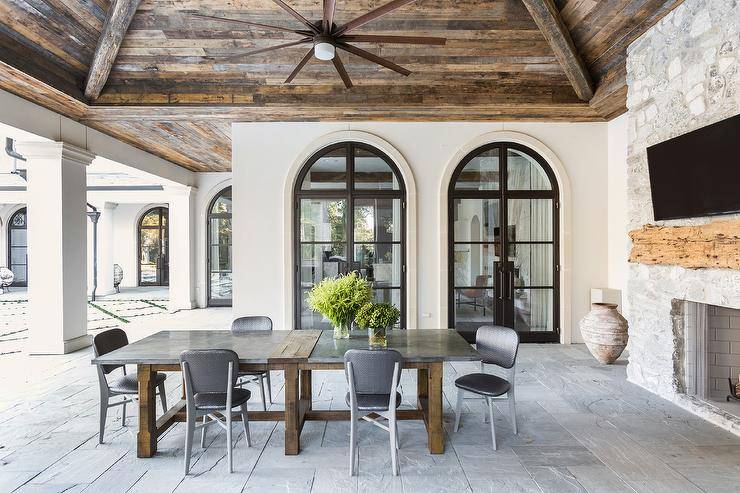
(248, 324)
(125, 385)
(497, 346)
(210, 387)
(373, 377)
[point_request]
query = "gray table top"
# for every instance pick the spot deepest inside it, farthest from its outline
(164, 348)
(416, 346)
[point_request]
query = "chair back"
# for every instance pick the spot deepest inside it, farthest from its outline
(109, 341)
(372, 370)
(497, 345)
(207, 370)
(480, 281)
(247, 324)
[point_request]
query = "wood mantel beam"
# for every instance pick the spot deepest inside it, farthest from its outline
(547, 17)
(116, 24)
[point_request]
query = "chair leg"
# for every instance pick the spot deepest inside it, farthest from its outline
(162, 397)
(245, 423)
(189, 432)
(229, 447)
(398, 437)
(262, 392)
(493, 426)
(394, 452)
(269, 387)
(512, 411)
(203, 432)
(123, 415)
(352, 443)
(458, 408)
(103, 415)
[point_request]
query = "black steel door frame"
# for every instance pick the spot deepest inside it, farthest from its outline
(349, 195)
(503, 282)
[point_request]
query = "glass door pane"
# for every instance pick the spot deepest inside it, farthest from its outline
(164, 261)
(322, 251)
(531, 260)
(149, 256)
(220, 255)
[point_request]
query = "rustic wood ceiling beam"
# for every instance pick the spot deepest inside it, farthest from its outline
(119, 16)
(547, 17)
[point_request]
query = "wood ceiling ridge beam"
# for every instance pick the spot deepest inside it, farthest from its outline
(117, 20)
(547, 17)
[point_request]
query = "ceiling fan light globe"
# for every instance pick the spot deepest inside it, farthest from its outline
(324, 51)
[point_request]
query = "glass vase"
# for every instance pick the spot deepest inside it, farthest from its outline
(377, 337)
(341, 331)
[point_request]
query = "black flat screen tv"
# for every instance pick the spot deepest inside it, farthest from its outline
(698, 173)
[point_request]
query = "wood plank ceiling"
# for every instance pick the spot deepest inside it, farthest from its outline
(178, 82)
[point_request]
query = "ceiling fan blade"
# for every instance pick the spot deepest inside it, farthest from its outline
(342, 71)
(372, 15)
(379, 38)
(300, 66)
(256, 24)
(295, 14)
(373, 58)
(329, 8)
(270, 48)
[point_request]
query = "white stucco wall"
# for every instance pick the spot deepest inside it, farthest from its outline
(617, 203)
(264, 153)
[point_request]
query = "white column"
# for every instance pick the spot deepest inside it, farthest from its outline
(57, 246)
(105, 248)
(182, 247)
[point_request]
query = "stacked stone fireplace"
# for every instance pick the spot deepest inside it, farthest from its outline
(682, 75)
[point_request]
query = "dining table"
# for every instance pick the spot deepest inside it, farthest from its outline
(297, 353)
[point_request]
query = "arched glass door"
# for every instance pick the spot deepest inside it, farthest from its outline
(503, 247)
(219, 250)
(18, 247)
(349, 216)
(153, 248)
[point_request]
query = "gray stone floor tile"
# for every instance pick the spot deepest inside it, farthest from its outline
(582, 427)
(599, 479)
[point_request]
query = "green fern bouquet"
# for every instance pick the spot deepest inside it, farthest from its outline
(377, 315)
(377, 318)
(339, 299)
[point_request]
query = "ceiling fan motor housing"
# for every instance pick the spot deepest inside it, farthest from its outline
(323, 47)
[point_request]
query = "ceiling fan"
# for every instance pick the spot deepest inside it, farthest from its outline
(326, 37)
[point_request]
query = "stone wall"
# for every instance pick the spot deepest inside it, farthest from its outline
(683, 74)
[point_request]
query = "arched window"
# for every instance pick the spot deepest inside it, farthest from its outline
(154, 248)
(503, 243)
(18, 247)
(349, 216)
(219, 249)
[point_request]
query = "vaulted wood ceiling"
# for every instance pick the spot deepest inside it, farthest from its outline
(176, 85)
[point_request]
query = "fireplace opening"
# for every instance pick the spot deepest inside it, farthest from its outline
(708, 356)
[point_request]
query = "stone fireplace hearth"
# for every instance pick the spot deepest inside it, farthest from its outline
(681, 75)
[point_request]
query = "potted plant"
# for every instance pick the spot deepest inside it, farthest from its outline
(338, 299)
(377, 318)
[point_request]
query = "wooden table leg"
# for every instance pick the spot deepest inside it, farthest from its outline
(435, 430)
(146, 440)
(422, 385)
(306, 388)
(292, 413)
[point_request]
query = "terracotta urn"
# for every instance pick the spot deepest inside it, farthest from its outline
(604, 331)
